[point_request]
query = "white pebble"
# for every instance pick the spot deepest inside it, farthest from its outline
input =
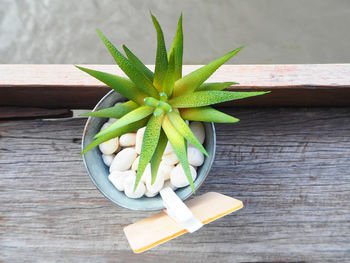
(198, 130)
(170, 159)
(118, 178)
(195, 156)
(178, 177)
(108, 159)
(169, 184)
(128, 139)
(129, 187)
(165, 169)
(149, 194)
(139, 138)
(123, 160)
(119, 148)
(104, 126)
(146, 173)
(118, 103)
(135, 164)
(109, 146)
(168, 149)
(157, 185)
(111, 120)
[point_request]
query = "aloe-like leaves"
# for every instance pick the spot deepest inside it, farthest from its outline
(138, 63)
(118, 132)
(135, 115)
(181, 126)
(157, 155)
(114, 112)
(192, 81)
(121, 85)
(149, 145)
(205, 98)
(169, 79)
(161, 65)
(178, 143)
(206, 114)
(140, 80)
(177, 49)
(215, 86)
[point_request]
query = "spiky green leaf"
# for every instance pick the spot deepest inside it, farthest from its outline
(142, 82)
(215, 86)
(122, 130)
(169, 79)
(158, 154)
(177, 49)
(135, 115)
(184, 130)
(149, 145)
(138, 63)
(114, 112)
(161, 65)
(121, 85)
(207, 114)
(178, 143)
(192, 81)
(205, 98)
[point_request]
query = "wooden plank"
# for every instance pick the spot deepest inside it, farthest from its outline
(64, 86)
(289, 166)
(27, 112)
(160, 228)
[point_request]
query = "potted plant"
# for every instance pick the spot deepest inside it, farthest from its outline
(162, 102)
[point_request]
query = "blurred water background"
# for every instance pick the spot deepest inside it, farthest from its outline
(273, 31)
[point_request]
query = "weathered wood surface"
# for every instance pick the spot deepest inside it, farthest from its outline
(64, 86)
(290, 167)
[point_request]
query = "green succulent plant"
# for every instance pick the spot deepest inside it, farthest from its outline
(162, 100)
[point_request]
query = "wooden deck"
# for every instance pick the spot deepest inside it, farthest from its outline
(290, 167)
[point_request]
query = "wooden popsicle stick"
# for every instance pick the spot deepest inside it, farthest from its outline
(159, 228)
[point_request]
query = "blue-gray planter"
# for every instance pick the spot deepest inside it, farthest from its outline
(99, 172)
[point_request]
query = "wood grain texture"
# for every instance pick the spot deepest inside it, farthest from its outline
(289, 166)
(64, 86)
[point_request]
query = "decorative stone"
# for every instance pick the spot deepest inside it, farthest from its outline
(178, 177)
(147, 173)
(198, 130)
(128, 139)
(170, 159)
(129, 187)
(124, 165)
(118, 103)
(111, 120)
(168, 149)
(149, 194)
(139, 138)
(135, 164)
(108, 159)
(195, 156)
(169, 184)
(165, 169)
(123, 160)
(157, 185)
(118, 178)
(110, 146)
(104, 126)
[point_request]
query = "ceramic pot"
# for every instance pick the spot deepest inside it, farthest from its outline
(99, 172)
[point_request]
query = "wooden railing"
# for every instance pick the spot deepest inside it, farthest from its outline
(65, 87)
